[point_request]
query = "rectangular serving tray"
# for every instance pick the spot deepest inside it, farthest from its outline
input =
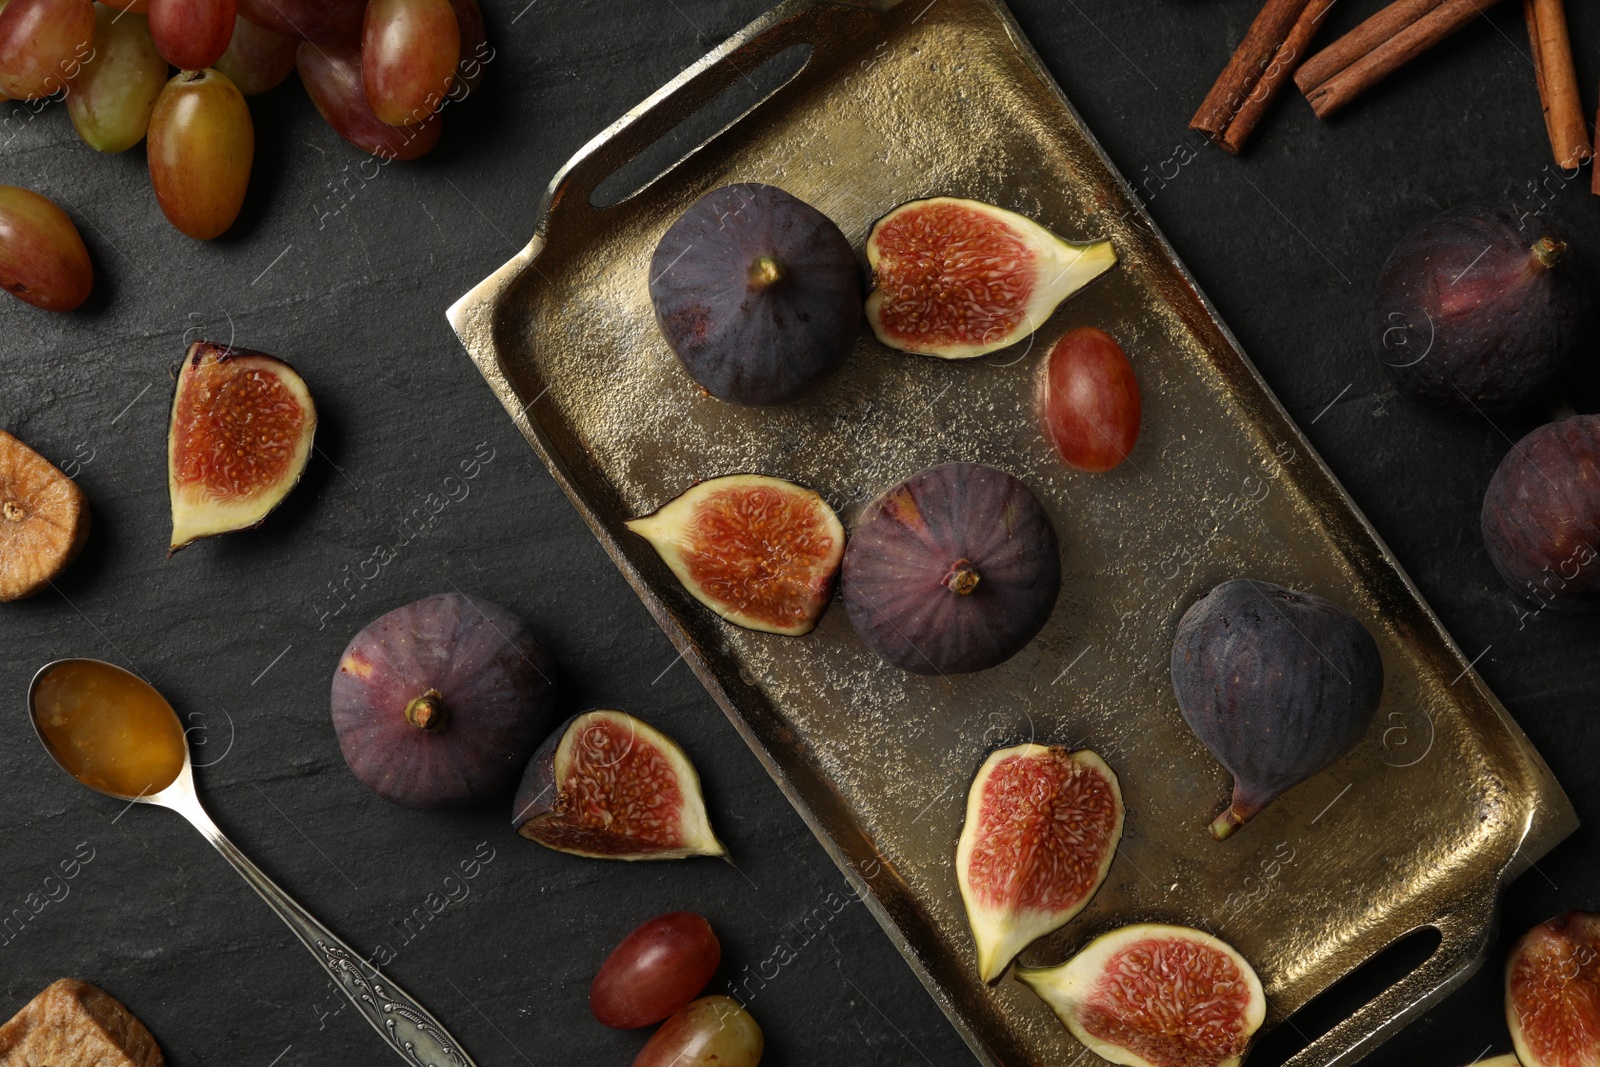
(1419, 827)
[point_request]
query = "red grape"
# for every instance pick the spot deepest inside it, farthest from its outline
(111, 100)
(257, 59)
(655, 971)
(43, 44)
(409, 53)
(1090, 400)
(332, 77)
(475, 50)
(42, 258)
(711, 1032)
(192, 34)
(320, 21)
(138, 7)
(201, 146)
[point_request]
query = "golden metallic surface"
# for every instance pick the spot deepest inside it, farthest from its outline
(1442, 803)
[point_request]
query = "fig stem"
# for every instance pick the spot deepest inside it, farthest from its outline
(1547, 251)
(962, 579)
(426, 712)
(1226, 824)
(13, 511)
(765, 273)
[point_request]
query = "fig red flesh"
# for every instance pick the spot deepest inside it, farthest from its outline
(655, 971)
(1553, 993)
(759, 551)
(958, 278)
(1089, 400)
(610, 786)
(1042, 826)
(1156, 996)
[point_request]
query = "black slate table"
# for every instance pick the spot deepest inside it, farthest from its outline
(346, 268)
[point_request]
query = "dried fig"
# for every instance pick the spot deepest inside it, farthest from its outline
(44, 520)
(959, 278)
(1156, 996)
(610, 786)
(439, 703)
(760, 552)
(240, 436)
(1042, 825)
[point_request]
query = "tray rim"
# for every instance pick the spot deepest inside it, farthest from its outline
(1452, 963)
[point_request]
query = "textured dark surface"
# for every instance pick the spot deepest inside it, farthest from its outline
(345, 269)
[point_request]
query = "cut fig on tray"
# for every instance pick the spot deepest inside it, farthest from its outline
(760, 552)
(610, 786)
(240, 436)
(960, 278)
(1042, 826)
(1553, 993)
(1156, 996)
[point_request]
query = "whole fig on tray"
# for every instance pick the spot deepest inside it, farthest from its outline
(609, 786)
(1481, 307)
(1156, 996)
(757, 292)
(1541, 515)
(439, 703)
(1553, 993)
(1277, 684)
(953, 570)
(958, 278)
(1042, 825)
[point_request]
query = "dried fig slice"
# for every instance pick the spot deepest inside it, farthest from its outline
(958, 278)
(240, 436)
(1553, 993)
(1042, 826)
(760, 552)
(44, 520)
(1156, 996)
(610, 786)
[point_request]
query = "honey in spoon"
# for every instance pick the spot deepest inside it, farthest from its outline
(109, 729)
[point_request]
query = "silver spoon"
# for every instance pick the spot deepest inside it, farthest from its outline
(406, 1026)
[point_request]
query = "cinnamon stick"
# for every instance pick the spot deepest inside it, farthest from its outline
(1251, 60)
(1388, 56)
(1558, 81)
(1283, 64)
(1359, 41)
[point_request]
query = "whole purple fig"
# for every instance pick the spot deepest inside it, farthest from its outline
(1480, 307)
(1277, 684)
(1541, 515)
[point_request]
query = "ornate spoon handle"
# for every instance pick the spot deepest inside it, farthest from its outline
(406, 1025)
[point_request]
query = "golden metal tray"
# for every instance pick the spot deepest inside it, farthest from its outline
(1419, 827)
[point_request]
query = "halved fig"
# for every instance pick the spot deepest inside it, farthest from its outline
(44, 520)
(959, 278)
(612, 787)
(1042, 826)
(1553, 993)
(1156, 996)
(955, 569)
(241, 430)
(760, 552)
(757, 292)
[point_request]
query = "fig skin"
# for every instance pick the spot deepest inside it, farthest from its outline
(1277, 684)
(564, 813)
(757, 293)
(958, 278)
(1482, 307)
(1541, 515)
(1076, 796)
(44, 520)
(1553, 992)
(1104, 1016)
(953, 570)
(438, 704)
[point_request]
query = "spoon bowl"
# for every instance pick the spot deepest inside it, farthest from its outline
(115, 733)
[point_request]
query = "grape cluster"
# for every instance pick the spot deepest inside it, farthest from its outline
(377, 70)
